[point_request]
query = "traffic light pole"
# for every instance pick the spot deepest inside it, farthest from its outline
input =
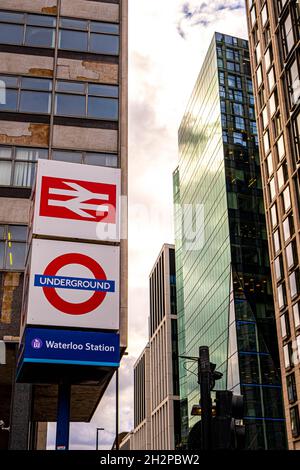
(204, 380)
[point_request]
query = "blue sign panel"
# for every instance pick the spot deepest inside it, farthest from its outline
(63, 282)
(54, 346)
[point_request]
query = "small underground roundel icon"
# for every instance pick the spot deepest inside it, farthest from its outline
(36, 343)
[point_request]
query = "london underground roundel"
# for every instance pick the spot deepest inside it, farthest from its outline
(73, 285)
(72, 308)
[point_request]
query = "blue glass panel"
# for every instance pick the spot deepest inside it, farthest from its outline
(104, 44)
(103, 108)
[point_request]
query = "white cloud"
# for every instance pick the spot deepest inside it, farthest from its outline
(163, 68)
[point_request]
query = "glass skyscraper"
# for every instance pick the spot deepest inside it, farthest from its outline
(224, 291)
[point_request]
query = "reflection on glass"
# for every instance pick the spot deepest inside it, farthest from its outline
(15, 255)
(103, 108)
(35, 102)
(70, 105)
(39, 37)
(5, 173)
(11, 33)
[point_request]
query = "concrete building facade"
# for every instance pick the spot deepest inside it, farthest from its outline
(274, 52)
(142, 406)
(157, 426)
(63, 96)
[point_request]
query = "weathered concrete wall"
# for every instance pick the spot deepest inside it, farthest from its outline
(98, 11)
(81, 138)
(26, 64)
(14, 210)
(38, 6)
(70, 69)
(24, 133)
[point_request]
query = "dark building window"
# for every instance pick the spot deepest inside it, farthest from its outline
(295, 423)
(285, 325)
(12, 247)
(291, 388)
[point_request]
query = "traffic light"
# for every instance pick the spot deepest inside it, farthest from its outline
(227, 430)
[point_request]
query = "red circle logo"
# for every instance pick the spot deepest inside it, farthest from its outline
(68, 307)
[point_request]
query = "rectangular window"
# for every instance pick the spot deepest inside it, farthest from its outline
(294, 283)
(73, 40)
(35, 102)
(271, 78)
(293, 83)
(288, 227)
(287, 353)
(264, 15)
(13, 247)
(286, 199)
(274, 218)
(295, 423)
(276, 240)
(103, 108)
(70, 105)
(278, 268)
(280, 148)
(281, 294)
(266, 141)
(291, 388)
(287, 35)
(104, 44)
(296, 315)
(285, 325)
(18, 165)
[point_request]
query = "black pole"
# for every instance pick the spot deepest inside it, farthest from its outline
(63, 416)
(204, 379)
(117, 409)
(97, 440)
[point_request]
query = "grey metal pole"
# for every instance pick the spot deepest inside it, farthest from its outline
(117, 409)
(204, 379)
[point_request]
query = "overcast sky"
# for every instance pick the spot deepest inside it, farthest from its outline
(168, 40)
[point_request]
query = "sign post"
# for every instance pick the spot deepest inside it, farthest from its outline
(63, 416)
(71, 301)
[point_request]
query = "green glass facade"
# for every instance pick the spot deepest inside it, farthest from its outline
(224, 293)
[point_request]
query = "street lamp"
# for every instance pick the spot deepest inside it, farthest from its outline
(97, 436)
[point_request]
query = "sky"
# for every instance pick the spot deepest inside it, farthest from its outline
(168, 40)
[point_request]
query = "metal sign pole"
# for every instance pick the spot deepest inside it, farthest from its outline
(63, 416)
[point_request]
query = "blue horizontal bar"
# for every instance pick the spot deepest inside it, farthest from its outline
(260, 385)
(64, 282)
(61, 361)
(264, 419)
(244, 322)
(254, 353)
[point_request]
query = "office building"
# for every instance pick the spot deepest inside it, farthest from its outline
(274, 54)
(224, 290)
(63, 96)
(165, 412)
(142, 408)
(156, 411)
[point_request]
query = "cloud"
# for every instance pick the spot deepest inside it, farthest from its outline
(192, 14)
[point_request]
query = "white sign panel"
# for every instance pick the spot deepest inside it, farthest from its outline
(73, 285)
(77, 201)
